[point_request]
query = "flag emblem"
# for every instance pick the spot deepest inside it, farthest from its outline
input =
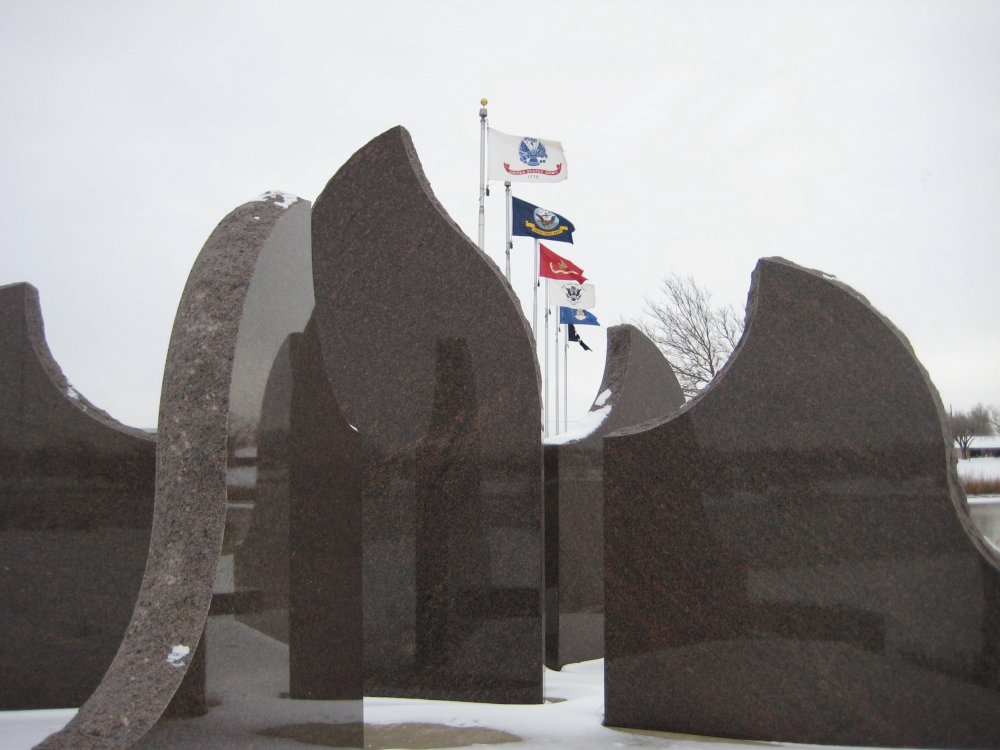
(572, 295)
(529, 220)
(546, 220)
(554, 266)
(532, 152)
(525, 159)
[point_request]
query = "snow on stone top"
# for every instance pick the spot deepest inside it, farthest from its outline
(287, 199)
(590, 422)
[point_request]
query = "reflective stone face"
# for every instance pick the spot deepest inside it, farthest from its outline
(638, 385)
(76, 506)
(232, 403)
(430, 358)
(790, 557)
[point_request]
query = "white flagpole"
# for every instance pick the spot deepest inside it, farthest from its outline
(565, 380)
(482, 175)
(534, 314)
(545, 379)
(510, 242)
(556, 380)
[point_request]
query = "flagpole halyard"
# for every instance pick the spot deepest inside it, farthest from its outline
(510, 242)
(545, 379)
(565, 380)
(482, 175)
(556, 380)
(534, 313)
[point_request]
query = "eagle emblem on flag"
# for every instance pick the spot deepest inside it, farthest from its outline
(573, 293)
(532, 152)
(546, 220)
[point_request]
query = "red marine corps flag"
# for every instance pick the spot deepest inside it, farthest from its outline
(552, 266)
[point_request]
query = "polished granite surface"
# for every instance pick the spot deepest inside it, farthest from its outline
(76, 506)
(638, 385)
(250, 287)
(790, 557)
(432, 361)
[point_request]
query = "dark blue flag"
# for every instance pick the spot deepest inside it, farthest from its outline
(570, 317)
(532, 221)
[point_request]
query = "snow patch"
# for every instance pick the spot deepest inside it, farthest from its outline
(287, 199)
(72, 393)
(603, 397)
(176, 656)
(979, 468)
(590, 422)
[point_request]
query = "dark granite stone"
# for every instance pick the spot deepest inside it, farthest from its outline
(431, 359)
(249, 288)
(790, 556)
(638, 385)
(76, 507)
(325, 612)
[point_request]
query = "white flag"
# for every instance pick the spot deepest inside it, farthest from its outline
(571, 294)
(525, 159)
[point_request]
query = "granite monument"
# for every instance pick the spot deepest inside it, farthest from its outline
(430, 358)
(638, 385)
(790, 557)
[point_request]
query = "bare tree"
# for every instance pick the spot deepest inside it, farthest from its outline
(993, 415)
(967, 426)
(695, 335)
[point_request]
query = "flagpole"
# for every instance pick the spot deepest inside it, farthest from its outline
(534, 314)
(545, 379)
(510, 242)
(565, 380)
(482, 175)
(556, 379)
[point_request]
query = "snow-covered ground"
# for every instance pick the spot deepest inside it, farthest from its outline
(979, 468)
(570, 719)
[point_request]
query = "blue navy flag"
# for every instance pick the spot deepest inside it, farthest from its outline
(532, 221)
(570, 317)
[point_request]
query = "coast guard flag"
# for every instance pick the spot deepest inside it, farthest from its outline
(525, 159)
(532, 221)
(570, 317)
(553, 266)
(571, 294)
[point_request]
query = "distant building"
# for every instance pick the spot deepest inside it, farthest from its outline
(982, 447)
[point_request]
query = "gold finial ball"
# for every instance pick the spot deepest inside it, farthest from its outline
(484, 101)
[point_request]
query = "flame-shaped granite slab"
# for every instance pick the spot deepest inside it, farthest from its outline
(431, 359)
(76, 507)
(250, 287)
(638, 385)
(790, 557)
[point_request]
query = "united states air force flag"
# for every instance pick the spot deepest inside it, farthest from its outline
(525, 159)
(570, 317)
(571, 294)
(532, 221)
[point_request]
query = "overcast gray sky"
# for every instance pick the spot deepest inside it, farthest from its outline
(857, 138)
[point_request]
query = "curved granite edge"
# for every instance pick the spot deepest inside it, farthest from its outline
(432, 360)
(638, 385)
(76, 504)
(190, 509)
(34, 329)
(790, 557)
